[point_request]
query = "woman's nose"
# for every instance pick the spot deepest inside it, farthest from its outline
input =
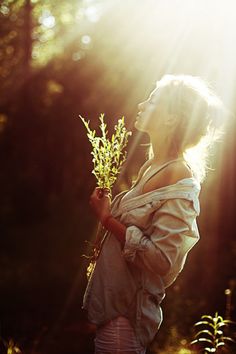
(141, 105)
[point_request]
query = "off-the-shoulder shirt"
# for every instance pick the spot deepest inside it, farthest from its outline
(161, 229)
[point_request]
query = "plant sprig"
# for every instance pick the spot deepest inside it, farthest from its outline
(213, 335)
(108, 155)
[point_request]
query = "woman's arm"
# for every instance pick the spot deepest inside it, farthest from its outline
(116, 228)
(100, 202)
(172, 225)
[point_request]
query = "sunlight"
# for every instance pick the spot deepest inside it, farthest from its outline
(47, 19)
(62, 59)
(177, 36)
(92, 13)
(55, 29)
(143, 41)
(86, 39)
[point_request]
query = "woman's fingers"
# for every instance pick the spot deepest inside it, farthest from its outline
(100, 202)
(96, 193)
(101, 192)
(106, 191)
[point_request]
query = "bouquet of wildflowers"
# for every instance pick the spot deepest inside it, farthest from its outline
(108, 155)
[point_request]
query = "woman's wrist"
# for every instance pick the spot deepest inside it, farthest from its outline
(105, 220)
(115, 227)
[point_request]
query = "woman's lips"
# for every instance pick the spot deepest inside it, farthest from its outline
(139, 114)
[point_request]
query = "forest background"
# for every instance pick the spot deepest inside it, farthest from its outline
(60, 59)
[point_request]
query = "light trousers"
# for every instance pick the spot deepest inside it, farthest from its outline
(117, 336)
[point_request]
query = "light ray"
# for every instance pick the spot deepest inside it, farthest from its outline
(145, 39)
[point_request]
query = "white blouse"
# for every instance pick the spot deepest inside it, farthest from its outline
(161, 230)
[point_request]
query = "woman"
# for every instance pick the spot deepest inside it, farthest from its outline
(152, 227)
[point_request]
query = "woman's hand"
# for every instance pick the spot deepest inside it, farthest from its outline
(100, 203)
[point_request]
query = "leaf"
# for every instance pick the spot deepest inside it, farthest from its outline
(220, 344)
(229, 322)
(228, 339)
(210, 350)
(205, 331)
(221, 324)
(207, 316)
(204, 323)
(203, 340)
(218, 319)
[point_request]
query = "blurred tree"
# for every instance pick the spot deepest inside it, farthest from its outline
(59, 59)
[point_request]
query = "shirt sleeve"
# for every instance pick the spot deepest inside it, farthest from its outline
(172, 223)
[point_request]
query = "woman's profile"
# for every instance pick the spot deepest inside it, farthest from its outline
(151, 227)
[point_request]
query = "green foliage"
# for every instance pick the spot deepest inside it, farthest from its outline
(108, 155)
(35, 32)
(11, 346)
(212, 336)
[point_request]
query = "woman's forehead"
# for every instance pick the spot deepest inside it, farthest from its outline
(155, 93)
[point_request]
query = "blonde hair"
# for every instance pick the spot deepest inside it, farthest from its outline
(198, 112)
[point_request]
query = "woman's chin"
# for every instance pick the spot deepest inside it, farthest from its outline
(137, 125)
(140, 127)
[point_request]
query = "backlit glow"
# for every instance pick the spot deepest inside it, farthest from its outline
(47, 19)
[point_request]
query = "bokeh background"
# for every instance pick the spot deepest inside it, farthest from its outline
(59, 59)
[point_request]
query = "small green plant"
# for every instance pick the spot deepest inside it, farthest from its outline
(108, 155)
(10, 346)
(213, 335)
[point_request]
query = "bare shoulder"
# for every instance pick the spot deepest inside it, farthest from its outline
(171, 174)
(177, 171)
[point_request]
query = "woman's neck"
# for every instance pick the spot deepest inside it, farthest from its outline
(162, 152)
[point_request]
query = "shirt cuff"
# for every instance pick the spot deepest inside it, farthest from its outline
(133, 243)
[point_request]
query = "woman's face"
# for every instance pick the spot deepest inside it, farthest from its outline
(152, 113)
